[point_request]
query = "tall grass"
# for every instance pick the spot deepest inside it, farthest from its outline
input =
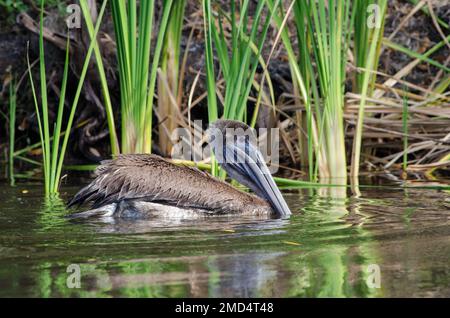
(12, 128)
(102, 75)
(133, 31)
(53, 152)
(405, 132)
(322, 33)
(367, 39)
(325, 32)
(330, 34)
(367, 43)
(238, 55)
(170, 80)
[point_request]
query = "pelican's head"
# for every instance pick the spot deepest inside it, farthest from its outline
(234, 145)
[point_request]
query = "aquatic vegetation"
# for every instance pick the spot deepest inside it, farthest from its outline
(12, 128)
(170, 79)
(323, 36)
(238, 56)
(405, 133)
(53, 152)
(341, 109)
(368, 32)
(137, 71)
(102, 74)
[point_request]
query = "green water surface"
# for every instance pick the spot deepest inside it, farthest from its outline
(388, 242)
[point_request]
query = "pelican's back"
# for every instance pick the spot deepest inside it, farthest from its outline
(150, 178)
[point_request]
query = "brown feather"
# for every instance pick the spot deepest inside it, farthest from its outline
(145, 177)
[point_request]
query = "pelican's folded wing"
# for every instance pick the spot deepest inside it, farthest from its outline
(151, 178)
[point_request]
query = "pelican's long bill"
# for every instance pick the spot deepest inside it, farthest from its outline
(242, 160)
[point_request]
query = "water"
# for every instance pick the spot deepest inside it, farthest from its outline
(334, 245)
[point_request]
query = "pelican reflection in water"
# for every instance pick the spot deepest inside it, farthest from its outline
(145, 185)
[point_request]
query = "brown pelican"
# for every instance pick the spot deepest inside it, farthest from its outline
(147, 185)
